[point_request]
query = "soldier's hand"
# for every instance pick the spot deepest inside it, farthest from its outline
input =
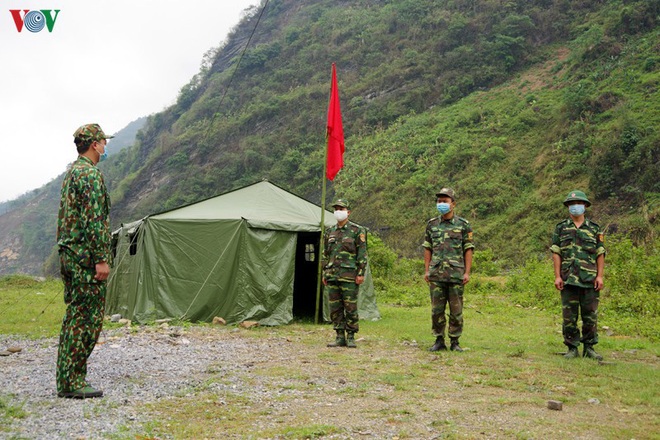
(598, 284)
(102, 271)
(426, 277)
(359, 280)
(466, 278)
(559, 283)
(325, 282)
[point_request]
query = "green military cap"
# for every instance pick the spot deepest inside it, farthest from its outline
(446, 192)
(576, 195)
(90, 133)
(342, 202)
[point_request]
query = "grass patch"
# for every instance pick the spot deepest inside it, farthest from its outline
(9, 410)
(308, 432)
(29, 307)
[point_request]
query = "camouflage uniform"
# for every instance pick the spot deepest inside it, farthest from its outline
(344, 258)
(83, 239)
(448, 240)
(579, 248)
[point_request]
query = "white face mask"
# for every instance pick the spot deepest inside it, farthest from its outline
(341, 215)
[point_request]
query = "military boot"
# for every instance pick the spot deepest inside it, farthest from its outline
(439, 344)
(454, 345)
(340, 341)
(350, 340)
(572, 353)
(589, 352)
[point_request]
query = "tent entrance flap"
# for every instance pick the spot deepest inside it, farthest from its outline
(304, 284)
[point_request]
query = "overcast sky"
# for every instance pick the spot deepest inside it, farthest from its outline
(105, 61)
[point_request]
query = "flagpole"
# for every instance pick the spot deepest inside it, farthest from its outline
(319, 274)
(334, 132)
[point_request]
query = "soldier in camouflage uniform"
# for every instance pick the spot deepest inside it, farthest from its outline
(344, 264)
(83, 239)
(448, 248)
(578, 255)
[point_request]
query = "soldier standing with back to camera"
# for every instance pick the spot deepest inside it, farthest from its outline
(578, 256)
(83, 240)
(344, 265)
(448, 248)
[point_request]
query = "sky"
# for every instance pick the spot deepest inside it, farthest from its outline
(105, 61)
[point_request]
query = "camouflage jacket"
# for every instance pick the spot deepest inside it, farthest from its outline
(344, 252)
(578, 249)
(83, 226)
(448, 240)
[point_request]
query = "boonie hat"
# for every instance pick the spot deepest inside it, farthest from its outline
(576, 195)
(90, 133)
(342, 202)
(446, 192)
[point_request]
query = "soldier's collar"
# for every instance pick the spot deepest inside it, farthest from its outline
(85, 159)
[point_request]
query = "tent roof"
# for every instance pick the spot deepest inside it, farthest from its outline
(262, 204)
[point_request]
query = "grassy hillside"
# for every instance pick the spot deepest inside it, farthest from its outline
(513, 152)
(512, 103)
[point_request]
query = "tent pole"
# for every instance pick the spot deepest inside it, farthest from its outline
(319, 274)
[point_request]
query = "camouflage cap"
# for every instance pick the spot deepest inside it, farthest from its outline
(576, 195)
(446, 192)
(90, 133)
(342, 202)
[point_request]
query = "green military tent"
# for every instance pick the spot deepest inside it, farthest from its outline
(249, 254)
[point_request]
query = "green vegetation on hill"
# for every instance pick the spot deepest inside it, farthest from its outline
(512, 103)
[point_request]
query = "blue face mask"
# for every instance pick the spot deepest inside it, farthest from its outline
(576, 210)
(443, 208)
(103, 156)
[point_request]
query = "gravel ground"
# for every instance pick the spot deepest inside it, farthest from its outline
(132, 368)
(277, 381)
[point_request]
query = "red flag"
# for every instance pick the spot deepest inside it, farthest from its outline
(335, 131)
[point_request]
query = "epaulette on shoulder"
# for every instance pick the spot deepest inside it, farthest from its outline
(354, 226)
(462, 220)
(563, 222)
(431, 219)
(363, 228)
(593, 223)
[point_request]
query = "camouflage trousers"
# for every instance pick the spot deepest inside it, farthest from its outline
(579, 300)
(342, 296)
(441, 294)
(82, 323)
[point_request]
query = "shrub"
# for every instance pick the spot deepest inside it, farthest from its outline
(397, 280)
(632, 278)
(532, 285)
(485, 263)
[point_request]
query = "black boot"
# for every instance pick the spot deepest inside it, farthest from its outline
(589, 352)
(572, 353)
(340, 341)
(454, 345)
(439, 344)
